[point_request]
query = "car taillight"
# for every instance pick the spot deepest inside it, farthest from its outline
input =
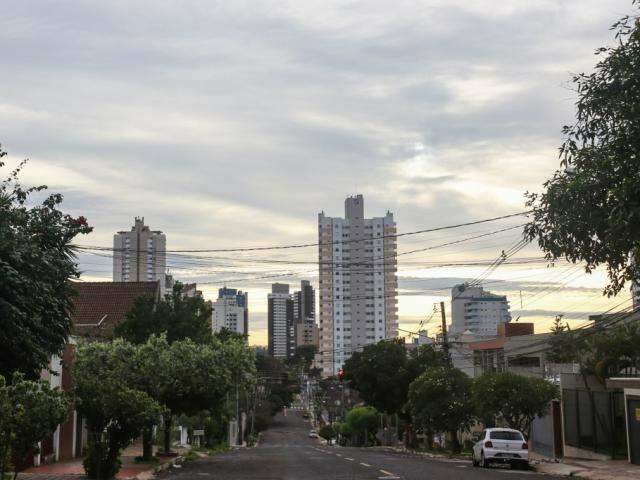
(488, 444)
(525, 446)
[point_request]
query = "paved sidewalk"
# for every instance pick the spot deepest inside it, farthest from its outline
(592, 469)
(73, 469)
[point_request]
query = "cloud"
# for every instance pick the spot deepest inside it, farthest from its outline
(235, 123)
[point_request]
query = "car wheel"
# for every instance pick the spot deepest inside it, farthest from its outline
(483, 461)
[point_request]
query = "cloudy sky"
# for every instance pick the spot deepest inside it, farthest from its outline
(231, 124)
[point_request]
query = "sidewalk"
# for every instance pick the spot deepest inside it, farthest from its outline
(592, 469)
(73, 469)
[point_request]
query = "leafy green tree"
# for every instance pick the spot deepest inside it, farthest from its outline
(36, 263)
(177, 316)
(362, 423)
(589, 210)
(186, 377)
(106, 396)
(328, 432)
(517, 399)
(303, 357)
(379, 373)
(31, 411)
(440, 401)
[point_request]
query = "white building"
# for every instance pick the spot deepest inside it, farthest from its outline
(281, 323)
(358, 284)
(231, 311)
(140, 255)
(476, 311)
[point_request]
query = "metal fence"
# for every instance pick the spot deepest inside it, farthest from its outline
(595, 421)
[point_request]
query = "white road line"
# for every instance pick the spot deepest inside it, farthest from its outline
(365, 464)
(350, 459)
(338, 454)
(386, 473)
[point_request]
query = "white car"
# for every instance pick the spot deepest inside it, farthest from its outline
(313, 434)
(501, 445)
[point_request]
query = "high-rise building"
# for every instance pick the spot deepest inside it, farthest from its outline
(280, 319)
(304, 315)
(231, 311)
(358, 284)
(140, 255)
(477, 311)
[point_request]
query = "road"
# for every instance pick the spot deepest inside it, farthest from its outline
(286, 453)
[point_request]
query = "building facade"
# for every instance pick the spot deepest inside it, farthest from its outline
(477, 311)
(140, 255)
(304, 315)
(231, 311)
(280, 322)
(358, 284)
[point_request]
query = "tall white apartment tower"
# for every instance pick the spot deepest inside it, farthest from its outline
(358, 284)
(140, 255)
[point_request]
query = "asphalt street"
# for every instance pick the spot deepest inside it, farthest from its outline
(286, 453)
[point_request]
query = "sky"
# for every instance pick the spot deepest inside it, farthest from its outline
(230, 124)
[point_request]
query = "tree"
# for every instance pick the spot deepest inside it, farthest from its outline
(186, 377)
(379, 373)
(177, 316)
(327, 432)
(590, 208)
(36, 263)
(362, 423)
(517, 399)
(115, 410)
(303, 356)
(440, 401)
(31, 411)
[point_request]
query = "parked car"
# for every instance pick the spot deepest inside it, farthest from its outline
(501, 445)
(313, 434)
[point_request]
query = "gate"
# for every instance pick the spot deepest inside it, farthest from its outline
(633, 428)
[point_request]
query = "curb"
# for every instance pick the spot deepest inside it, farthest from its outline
(147, 474)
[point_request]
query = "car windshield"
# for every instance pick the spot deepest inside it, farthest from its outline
(505, 435)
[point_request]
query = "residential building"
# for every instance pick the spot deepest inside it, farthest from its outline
(231, 311)
(477, 311)
(140, 255)
(281, 328)
(358, 284)
(304, 315)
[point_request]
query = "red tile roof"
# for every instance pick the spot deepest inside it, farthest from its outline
(106, 303)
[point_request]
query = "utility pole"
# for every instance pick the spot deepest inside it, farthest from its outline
(445, 342)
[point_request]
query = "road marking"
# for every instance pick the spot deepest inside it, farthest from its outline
(365, 464)
(338, 454)
(388, 475)
(350, 459)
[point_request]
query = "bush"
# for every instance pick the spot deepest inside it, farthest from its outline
(327, 432)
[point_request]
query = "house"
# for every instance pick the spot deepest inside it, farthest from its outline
(97, 308)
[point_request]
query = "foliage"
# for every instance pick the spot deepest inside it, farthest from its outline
(590, 208)
(187, 378)
(303, 357)
(517, 399)
(440, 401)
(177, 316)
(31, 411)
(599, 350)
(379, 373)
(328, 432)
(281, 384)
(107, 396)
(383, 372)
(362, 423)
(36, 263)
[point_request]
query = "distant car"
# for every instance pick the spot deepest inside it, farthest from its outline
(501, 445)
(313, 434)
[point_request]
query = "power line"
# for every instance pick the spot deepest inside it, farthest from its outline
(304, 245)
